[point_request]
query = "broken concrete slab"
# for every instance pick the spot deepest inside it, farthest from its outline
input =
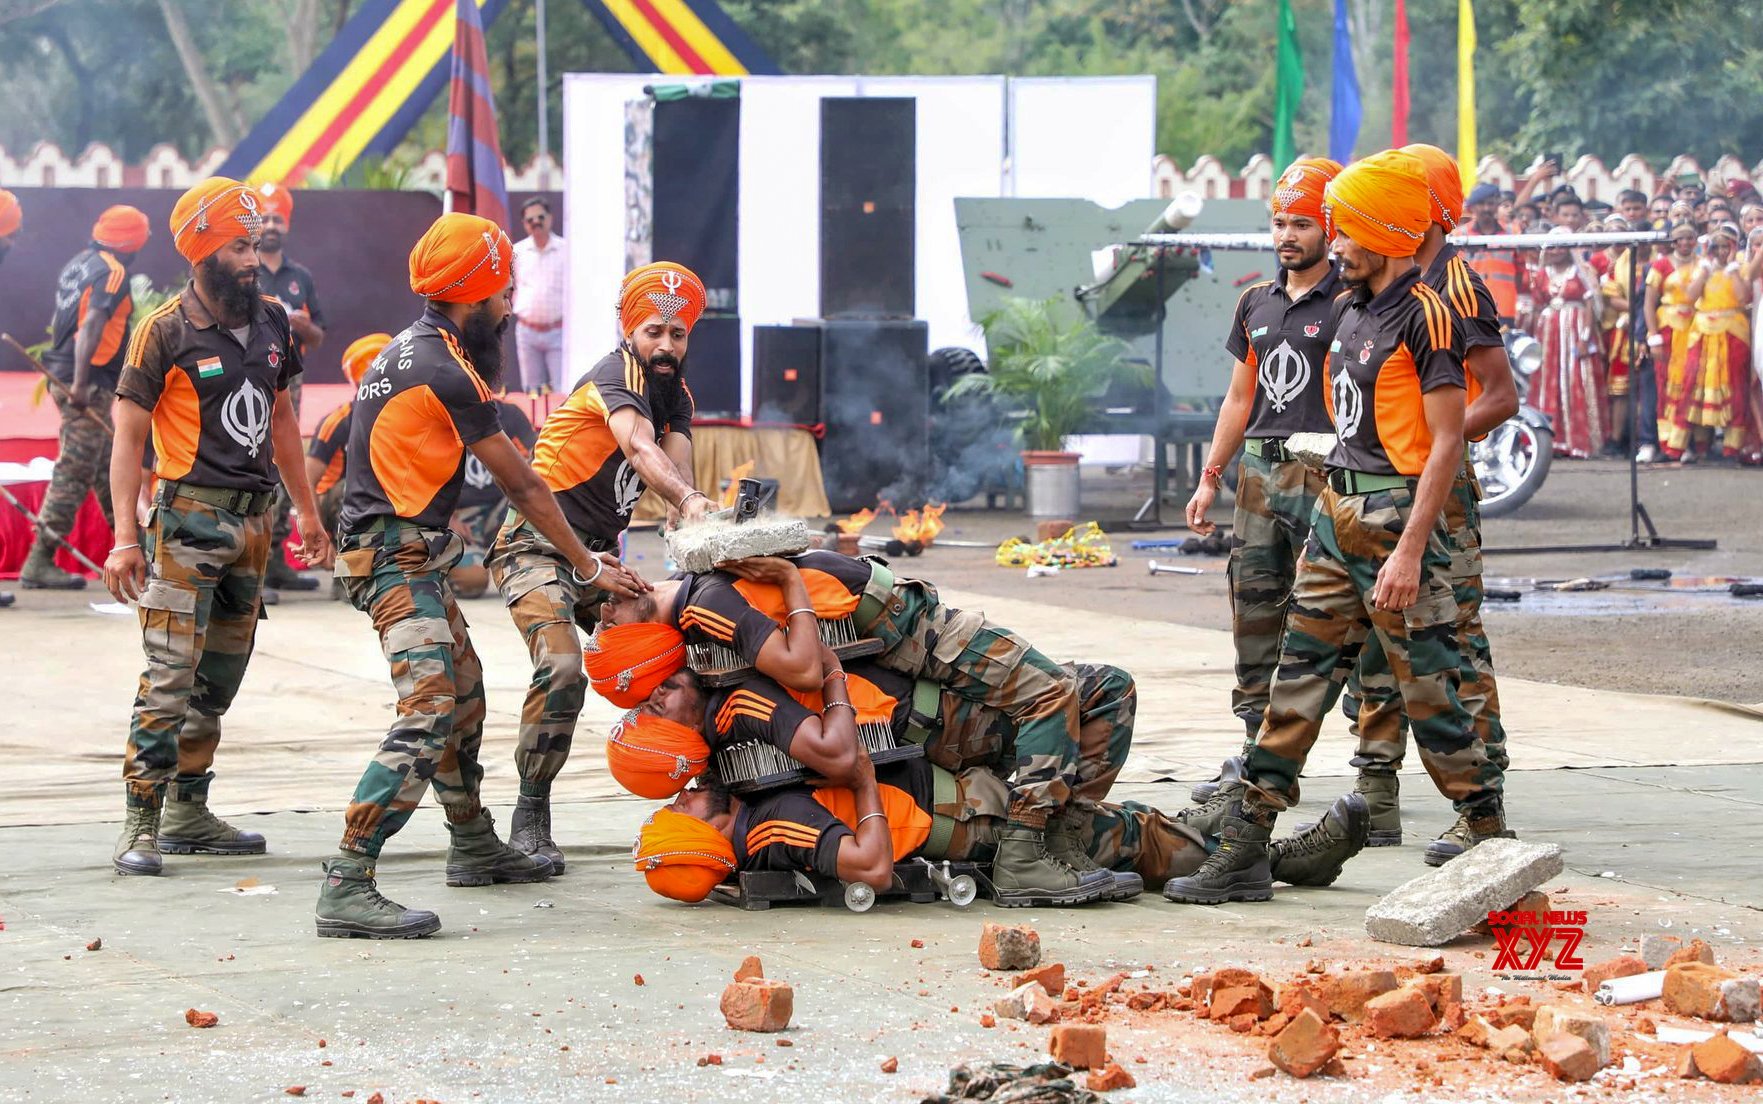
(703, 545)
(1438, 906)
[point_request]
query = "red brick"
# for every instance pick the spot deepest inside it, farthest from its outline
(1694, 989)
(1201, 989)
(1009, 947)
(1441, 990)
(1569, 1058)
(1720, 1059)
(1509, 1040)
(200, 1019)
(1431, 966)
(1051, 978)
(1298, 996)
(1686, 1063)
(1275, 1024)
(1346, 994)
(1052, 530)
(1027, 1001)
(758, 1005)
(1109, 1078)
(749, 968)
(1452, 1017)
(1399, 1014)
(1235, 977)
(1696, 951)
(890, 1065)
(1618, 967)
(1513, 1015)
(1305, 1046)
(1227, 1003)
(1244, 1023)
(1079, 1045)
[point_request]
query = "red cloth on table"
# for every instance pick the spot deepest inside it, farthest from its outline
(90, 534)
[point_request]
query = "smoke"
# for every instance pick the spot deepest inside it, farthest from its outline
(972, 450)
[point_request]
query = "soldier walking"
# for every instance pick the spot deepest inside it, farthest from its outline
(1377, 561)
(88, 334)
(208, 372)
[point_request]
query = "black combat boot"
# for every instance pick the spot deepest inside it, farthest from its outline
(350, 905)
(1314, 856)
(1473, 826)
(1025, 875)
(1238, 870)
(478, 858)
(1231, 770)
(529, 830)
(1065, 842)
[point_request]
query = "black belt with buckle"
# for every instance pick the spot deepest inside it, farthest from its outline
(244, 503)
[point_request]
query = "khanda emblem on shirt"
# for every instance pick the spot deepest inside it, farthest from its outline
(627, 487)
(1349, 405)
(1284, 374)
(476, 475)
(245, 416)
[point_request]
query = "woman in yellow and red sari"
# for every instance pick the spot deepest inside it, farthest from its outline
(1569, 301)
(1669, 313)
(1713, 408)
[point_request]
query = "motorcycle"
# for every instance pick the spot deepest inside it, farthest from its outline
(1513, 459)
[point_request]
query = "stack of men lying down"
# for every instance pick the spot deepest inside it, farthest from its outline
(818, 714)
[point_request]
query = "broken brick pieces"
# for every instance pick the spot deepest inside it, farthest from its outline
(1238, 1000)
(200, 1019)
(1710, 993)
(1618, 967)
(1403, 1013)
(1028, 1001)
(1569, 1058)
(1079, 1045)
(1109, 1078)
(1306, 1045)
(1009, 947)
(890, 1065)
(1050, 977)
(1346, 994)
(1558, 1019)
(758, 1004)
(1720, 1059)
(749, 968)
(1694, 951)
(1441, 990)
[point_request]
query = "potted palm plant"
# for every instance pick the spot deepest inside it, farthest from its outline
(1048, 370)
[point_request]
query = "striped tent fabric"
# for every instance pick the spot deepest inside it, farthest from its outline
(475, 185)
(682, 37)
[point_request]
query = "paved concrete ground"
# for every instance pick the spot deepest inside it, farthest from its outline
(487, 1008)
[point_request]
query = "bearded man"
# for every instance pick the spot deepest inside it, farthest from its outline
(626, 426)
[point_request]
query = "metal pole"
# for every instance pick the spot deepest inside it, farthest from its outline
(1159, 472)
(544, 100)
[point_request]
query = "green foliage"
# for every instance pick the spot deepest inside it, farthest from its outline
(1055, 369)
(390, 174)
(146, 297)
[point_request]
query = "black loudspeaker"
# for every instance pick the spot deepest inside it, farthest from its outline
(786, 374)
(876, 406)
(868, 191)
(696, 179)
(713, 367)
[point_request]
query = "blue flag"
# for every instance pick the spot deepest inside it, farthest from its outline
(1343, 129)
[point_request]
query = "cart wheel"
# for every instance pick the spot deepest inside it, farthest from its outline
(859, 897)
(962, 891)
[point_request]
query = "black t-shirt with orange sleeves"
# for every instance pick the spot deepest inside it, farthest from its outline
(801, 828)
(577, 456)
(211, 396)
(1285, 340)
(419, 406)
(95, 280)
(1388, 351)
(480, 487)
(718, 608)
(329, 446)
(758, 708)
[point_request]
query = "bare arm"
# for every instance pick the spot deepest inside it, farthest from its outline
(1650, 310)
(792, 654)
(125, 569)
(1398, 581)
(310, 333)
(678, 449)
(827, 744)
(1227, 438)
(868, 856)
(529, 494)
(85, 342)
(314, 469)
(635, 435)
(290, 456)
(1499, 394)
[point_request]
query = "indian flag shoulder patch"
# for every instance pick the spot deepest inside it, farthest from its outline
(209, 366)
(1262, 332)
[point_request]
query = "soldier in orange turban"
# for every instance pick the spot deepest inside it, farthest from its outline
(630, 661)
(1444, 183)
(1382, 203)
(461, 259)
(682, 857)
(122, 229)
(11, 218)
(652, 756)
(1298, 191)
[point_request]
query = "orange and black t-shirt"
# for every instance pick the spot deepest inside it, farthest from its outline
(718, 608)
(579, 459)
(94, 281)
(758, 708)
(799, 829)
(1285, 341)
(1388, 351)
(418, 408)
(329, 446)
(1472, 307)
(212, 391)
(480, 487)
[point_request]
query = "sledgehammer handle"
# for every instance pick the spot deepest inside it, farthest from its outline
(60, 387)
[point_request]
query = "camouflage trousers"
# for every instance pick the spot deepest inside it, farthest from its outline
(478, 526)
(985, 665)
(198, 615)
(1331, 617)
(1374, 701)
(396, 573)
(283, 526)
(330, 505)
(82, 467)
(547, 601)
(1272, 521)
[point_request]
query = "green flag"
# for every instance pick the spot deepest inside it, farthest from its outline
(1290, 89)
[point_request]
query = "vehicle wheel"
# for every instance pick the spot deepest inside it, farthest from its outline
(1512, 463)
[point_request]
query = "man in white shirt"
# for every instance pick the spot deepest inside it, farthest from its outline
(541, 279)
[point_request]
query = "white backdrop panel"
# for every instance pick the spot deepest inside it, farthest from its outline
(1089, 137)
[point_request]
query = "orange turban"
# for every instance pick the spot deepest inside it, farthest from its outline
(664, 288)
(632, 660)
(654, 757)
(211, 214)
(11, 214)
(461, 259)
(277, 199)
(360, 354)
(1299, 189)
(681, 856)
(122, 228)
(1381, 203)
(1444, 184)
